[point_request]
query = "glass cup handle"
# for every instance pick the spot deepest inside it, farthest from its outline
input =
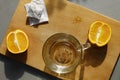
(86, 46)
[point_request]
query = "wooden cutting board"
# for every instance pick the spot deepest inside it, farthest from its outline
(69, 18)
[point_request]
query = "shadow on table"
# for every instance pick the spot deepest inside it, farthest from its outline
(15, 70)
(94, 56)
(55, 4)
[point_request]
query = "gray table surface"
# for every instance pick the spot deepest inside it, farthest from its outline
(11, 70)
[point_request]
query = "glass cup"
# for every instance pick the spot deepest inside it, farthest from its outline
(62, 52)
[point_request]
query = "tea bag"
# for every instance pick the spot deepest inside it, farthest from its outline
(36, 12)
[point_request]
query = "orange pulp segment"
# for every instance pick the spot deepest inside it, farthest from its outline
(17, 41)
(99, 33)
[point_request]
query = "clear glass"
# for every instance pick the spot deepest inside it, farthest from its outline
(62, 52)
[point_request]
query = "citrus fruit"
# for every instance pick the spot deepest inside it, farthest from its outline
(17, 41)
(99, 33)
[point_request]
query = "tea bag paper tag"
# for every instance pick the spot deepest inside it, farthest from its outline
(36, 12)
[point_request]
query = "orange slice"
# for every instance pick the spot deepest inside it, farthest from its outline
(99, 33)
(17, 41)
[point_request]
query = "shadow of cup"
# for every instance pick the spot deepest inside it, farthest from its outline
(94, 56)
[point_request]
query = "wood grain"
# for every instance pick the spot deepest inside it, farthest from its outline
(69, 18)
